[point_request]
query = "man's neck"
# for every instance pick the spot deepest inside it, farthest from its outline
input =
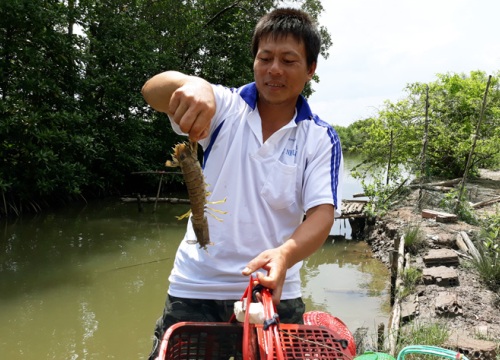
(274, 117)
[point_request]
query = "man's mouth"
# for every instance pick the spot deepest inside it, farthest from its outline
(276, 85)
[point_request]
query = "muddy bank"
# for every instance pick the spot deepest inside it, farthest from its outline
(471, 311)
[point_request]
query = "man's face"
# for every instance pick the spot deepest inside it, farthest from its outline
(280, 70)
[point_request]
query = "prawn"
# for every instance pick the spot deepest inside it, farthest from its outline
(185, 156)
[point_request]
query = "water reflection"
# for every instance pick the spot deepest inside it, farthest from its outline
(89, 282)
(345, 280)
(350, 187)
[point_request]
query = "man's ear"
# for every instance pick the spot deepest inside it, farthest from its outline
(311, 70)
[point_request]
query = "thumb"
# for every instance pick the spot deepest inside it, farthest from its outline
(247, 271)
(204, 134)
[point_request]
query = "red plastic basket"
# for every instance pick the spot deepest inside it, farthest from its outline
(210, 341)
(308, 342)
(317, 339)
(203, 341)
(320, 318)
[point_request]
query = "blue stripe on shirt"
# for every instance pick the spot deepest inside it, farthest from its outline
(206, 153)
(335, 158)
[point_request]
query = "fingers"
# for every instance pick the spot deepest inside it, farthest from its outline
(270, 282)
(274, 264)
(192, 114)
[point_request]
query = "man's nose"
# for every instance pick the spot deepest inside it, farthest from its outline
(275, 68)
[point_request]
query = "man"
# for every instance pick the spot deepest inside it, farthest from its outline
(271, 158)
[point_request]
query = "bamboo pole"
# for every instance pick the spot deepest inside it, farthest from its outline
(423, 175)
(392, 336)
(390, 158)
(153, 199)
(4, 203)
(158, 193)
(158, 172)
(471, 153)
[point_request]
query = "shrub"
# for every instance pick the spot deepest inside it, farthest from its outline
(488, 262)
(460, 207)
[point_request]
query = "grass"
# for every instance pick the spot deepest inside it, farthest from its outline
(414, 238)
(434, 334)
(411, 277)
(488, 266)
(431, 334)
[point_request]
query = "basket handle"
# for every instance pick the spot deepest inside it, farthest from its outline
(271, 339)
(430, 350)
(247, 297)
(271, 327)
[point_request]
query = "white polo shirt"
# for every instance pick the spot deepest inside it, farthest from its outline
(268, 188)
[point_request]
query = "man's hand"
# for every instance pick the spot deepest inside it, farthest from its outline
(188, 100)
(192, 107)
(306, 239)
(274, 262)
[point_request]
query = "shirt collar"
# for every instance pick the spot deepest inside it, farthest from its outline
(249, 94)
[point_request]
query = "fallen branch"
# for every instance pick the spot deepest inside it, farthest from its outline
(438, 183)
(462, 254)
(486, 203)
(395, 191)
(436, 188)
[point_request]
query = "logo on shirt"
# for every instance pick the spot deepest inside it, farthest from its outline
(292, 149)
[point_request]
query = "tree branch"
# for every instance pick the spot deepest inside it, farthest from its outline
(233, 5)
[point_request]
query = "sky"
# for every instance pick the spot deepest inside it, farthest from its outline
(380, 46)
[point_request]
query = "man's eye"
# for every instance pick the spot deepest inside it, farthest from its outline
(265, 59)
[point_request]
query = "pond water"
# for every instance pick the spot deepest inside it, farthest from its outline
(88, 282)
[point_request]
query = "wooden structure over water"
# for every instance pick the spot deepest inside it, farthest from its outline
(354, 212)
(352, 209)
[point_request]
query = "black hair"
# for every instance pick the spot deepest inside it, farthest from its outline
(288, 21)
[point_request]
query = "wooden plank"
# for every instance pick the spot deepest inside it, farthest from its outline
(436, 257)
(470, 245)
(461, 244)
(439, 216)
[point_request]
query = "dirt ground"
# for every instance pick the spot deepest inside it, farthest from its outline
(478, 314)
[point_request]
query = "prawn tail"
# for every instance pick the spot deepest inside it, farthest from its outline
(201, 232)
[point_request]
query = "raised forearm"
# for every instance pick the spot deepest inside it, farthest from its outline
(310, 235)
(158, 90)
